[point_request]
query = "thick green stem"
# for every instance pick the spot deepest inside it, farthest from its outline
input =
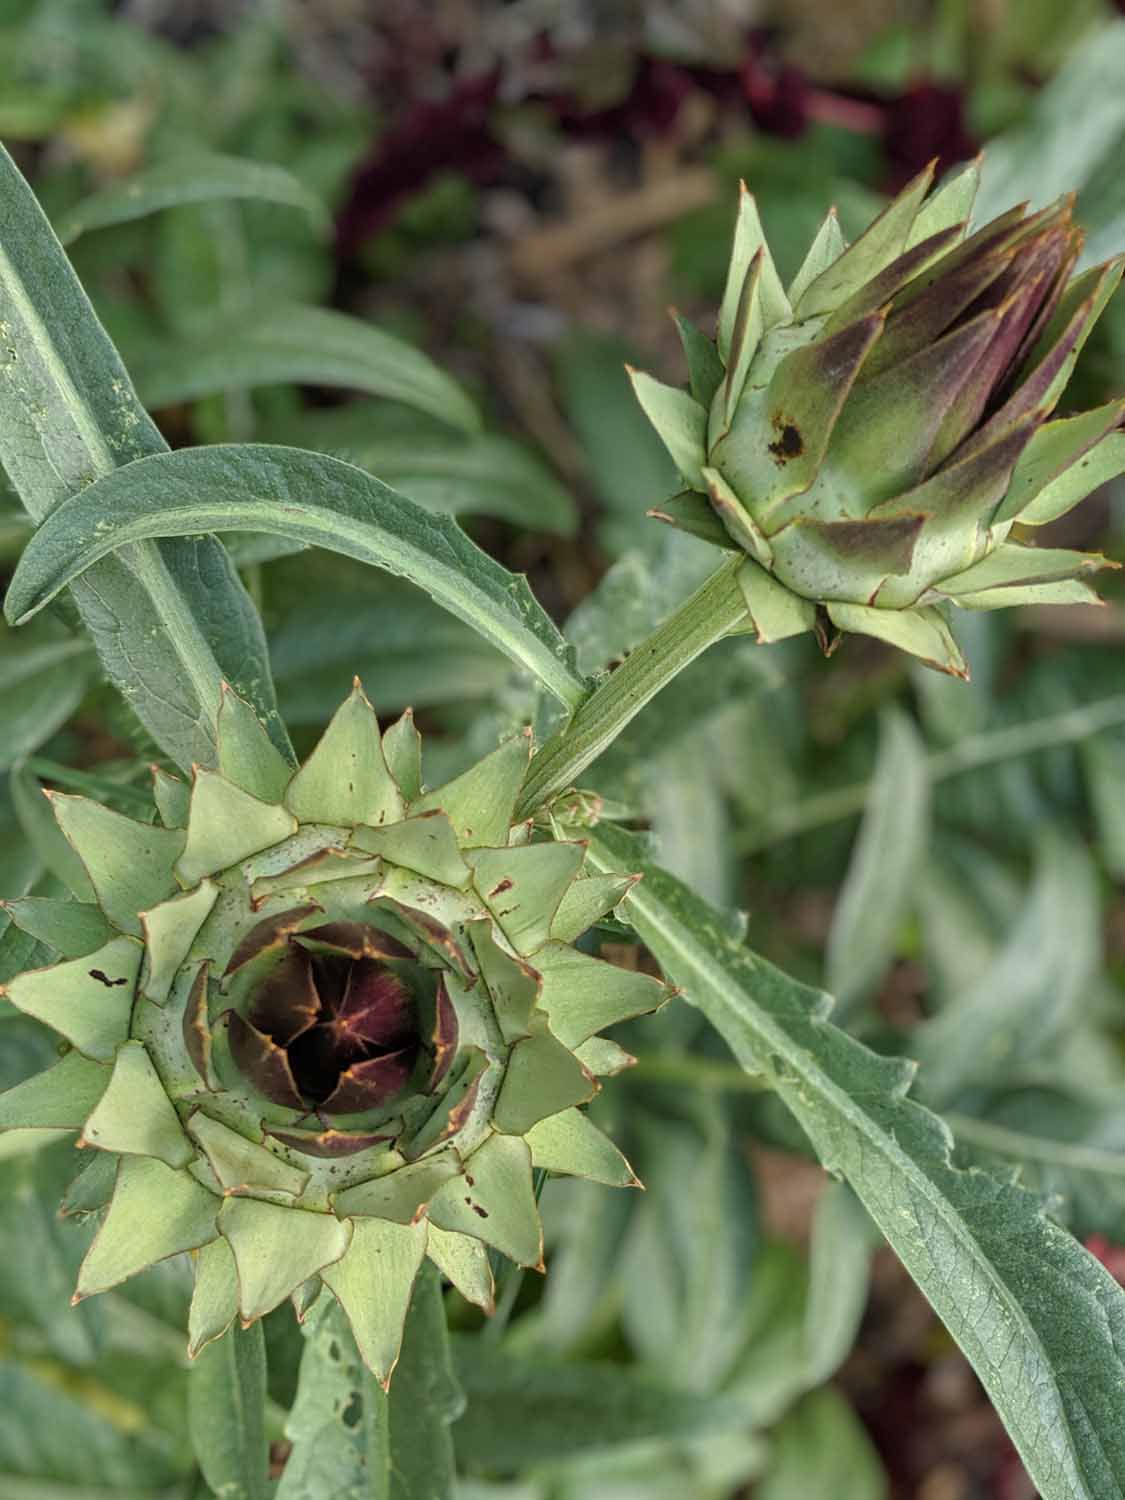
(713, 611)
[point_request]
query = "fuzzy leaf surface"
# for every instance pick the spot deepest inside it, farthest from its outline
(169, 620)
(1041, 1321)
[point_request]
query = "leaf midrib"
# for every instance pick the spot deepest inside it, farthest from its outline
(776, 1040)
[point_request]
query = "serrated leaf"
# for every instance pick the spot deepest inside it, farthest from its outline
(170, 620)
(188, 177)
(302, 346)
(1040, 1320)
(311, 497)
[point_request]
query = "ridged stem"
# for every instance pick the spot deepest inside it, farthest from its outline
(716, 608)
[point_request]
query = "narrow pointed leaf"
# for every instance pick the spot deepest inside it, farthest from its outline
(951, 203)
(276, 1249)
(241, 1164)
(402, 748)
(495, 1201)
(130, 864)
(582, 995)
(373, 1283)
(58, 1099)
(170, 929)
(749, 238)
(585, 902)
(522, 888)
(172, 797)
(542, 1078)
(214, 1302)
(480, 803)
(776, 612)
(571, 1143)
(426, 844)
(300, 345)
(134, 1115)
(132, 1236)
(1042, 1322)
(885, 864)
(246, 754)
(705, 368)
(402, 1195)
(345, 780)
(463, 1260)
(922, 632)
(311, 498)
(73, 927)
(680, 421)
(827, 247)
(876, 248)
(225, 825)
(1055, 448)
(87, 1000)
(1012, 565)
(1101, 464)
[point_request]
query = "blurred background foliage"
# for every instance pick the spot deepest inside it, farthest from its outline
(273, 207)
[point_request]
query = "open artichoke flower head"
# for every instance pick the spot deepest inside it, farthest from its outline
(872, 434)
(322, 1024)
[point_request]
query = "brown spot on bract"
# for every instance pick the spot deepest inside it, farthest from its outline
(105, 979)
(789, 444)
(505, 885)
(481, 1213)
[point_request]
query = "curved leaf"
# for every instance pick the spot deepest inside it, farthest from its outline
(171, 620)
(198, 177)
(300, 345)
(1041, 1321)
(308, 497)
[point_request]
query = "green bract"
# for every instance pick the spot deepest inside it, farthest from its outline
(872, 434)
(322, 1024)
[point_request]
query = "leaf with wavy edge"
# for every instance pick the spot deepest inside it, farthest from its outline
(1041, 1321)
(169, 620)
(309, 497)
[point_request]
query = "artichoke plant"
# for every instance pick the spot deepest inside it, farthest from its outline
(877, 437)
(318, 1025)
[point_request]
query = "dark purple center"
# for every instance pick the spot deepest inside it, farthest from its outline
(335, 1024)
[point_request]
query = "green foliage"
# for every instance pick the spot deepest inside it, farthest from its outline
(423, 464)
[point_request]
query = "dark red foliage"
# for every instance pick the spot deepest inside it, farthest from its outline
(925, 121)
(453, 134)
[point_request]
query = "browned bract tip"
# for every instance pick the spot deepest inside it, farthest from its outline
(270, 932)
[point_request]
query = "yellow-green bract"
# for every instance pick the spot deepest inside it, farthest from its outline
(875, 436)
(321, 1024)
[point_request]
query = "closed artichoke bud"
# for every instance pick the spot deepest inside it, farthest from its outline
(323, 1024)
(871, 435)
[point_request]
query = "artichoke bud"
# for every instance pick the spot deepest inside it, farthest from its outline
(322, 1024)
(872, 434)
